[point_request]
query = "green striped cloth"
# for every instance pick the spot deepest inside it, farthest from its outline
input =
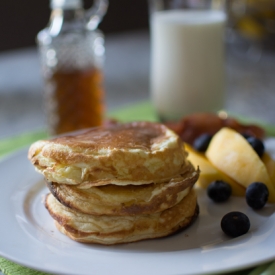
(141, 111)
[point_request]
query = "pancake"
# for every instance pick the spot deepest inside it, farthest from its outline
(133, 153)
(122, 229)
(125, 200)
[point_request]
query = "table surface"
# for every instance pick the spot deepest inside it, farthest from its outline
(250, 82)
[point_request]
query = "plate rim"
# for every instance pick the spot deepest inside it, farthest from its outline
(22, 152)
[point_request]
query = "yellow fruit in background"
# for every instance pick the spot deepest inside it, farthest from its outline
(251, 28)
(209, 173)
(232, 154)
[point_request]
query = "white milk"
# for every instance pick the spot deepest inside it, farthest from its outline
(187, 66)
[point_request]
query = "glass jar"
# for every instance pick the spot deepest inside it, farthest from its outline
(72, 54)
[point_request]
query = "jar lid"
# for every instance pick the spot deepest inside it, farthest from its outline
(66, 4)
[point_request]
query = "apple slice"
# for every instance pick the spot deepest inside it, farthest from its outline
(209, 173)
(270, 166)
(232, 154)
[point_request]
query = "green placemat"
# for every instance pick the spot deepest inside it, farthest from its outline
(141, 111)
(10, 268)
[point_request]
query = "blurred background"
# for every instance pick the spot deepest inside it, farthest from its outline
(251, 26)
(250, 40)
(126, 67)
(20, 21)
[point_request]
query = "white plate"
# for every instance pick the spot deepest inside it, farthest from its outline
(28, 235)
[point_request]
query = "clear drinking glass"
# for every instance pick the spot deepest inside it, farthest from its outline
(187, 57)
(72, 55)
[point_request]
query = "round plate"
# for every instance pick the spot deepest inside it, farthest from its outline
(28, 235)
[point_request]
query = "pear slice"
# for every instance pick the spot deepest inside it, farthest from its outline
(209, 173)
(232, 154)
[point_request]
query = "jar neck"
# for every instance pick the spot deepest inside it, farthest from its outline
(69, 15)
(64, 20)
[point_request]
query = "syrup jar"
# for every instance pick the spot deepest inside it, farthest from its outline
(72, 54)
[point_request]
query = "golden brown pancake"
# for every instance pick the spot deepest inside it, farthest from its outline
(132, 153)
(122, 229)
(118, 184)
(125, 200)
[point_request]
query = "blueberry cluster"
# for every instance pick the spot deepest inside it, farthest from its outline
(256, 194)
(235, 223)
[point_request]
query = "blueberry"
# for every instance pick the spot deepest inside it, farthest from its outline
(235, 224)
(219, 191)
(257, 145)
(201, 143)
(256, 195)
(246, 136)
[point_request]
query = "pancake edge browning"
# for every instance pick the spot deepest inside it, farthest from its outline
(114, 230)
(144, 199)
(80, 160)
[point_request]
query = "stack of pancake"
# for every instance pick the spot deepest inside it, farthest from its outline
(118, 184)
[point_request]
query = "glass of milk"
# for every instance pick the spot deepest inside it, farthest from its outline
(187, 57)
